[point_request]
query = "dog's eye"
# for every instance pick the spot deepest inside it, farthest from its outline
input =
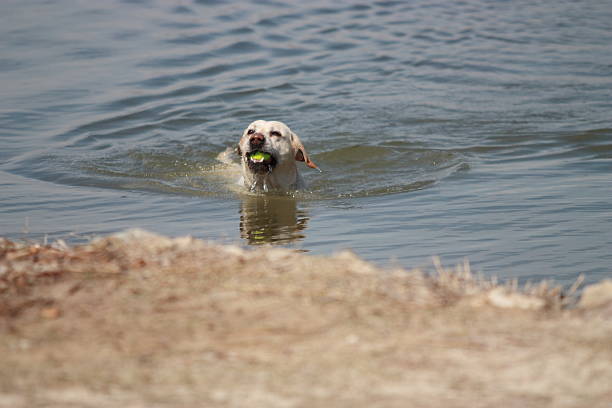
(275, 133)
(250, 131)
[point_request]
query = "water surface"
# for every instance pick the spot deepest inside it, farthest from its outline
(477, 129)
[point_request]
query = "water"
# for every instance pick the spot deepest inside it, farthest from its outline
(479, 129)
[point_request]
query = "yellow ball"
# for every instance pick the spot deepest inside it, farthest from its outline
(260, 157)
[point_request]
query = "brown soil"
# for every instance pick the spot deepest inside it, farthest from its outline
(139, 320)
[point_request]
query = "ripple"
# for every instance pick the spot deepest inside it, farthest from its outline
(359, 171)
(89, 53)
(279, 20)
(195, 39)
(211, 2)
(192, 169)
(182, 10)
(123, 103)
(288, 52)
(239, 47)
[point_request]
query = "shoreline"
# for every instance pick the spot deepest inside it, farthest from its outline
(137, 319)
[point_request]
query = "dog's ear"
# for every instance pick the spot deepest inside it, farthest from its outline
(300, 152)
(238, 150)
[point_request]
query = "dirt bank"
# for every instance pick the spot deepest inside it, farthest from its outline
(139, 320)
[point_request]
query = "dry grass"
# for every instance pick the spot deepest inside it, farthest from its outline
(139, 320)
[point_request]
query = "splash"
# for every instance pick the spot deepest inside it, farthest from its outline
(260, 183)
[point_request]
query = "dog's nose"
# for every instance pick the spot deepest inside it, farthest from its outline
(257, 140)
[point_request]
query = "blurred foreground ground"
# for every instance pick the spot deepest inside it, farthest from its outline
(140, 320)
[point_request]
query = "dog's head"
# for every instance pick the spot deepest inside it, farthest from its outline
(268, 145)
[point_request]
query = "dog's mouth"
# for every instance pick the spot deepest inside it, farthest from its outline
(260, 162)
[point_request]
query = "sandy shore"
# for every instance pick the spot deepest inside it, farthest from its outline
(139, 320)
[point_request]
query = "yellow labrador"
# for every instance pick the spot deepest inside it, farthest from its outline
(268, 153)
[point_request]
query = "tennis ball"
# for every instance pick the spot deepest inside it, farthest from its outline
(259, 157)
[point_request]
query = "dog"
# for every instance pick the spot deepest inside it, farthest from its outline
(268, 153)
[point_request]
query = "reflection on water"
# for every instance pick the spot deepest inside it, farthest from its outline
(271, 219)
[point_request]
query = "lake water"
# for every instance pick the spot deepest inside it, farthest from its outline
(478, 129)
